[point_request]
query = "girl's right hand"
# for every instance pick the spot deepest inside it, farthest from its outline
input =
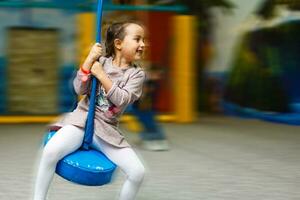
(95, 52)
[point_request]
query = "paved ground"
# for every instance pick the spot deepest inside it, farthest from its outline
(215, 159)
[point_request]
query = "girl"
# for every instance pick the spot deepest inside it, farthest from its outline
(120, 83)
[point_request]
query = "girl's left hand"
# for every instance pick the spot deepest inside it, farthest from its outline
(97, 69)
(95, 52)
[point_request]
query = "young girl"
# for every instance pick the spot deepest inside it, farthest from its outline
(120, 83)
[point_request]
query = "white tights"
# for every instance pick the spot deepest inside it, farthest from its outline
(68, 139)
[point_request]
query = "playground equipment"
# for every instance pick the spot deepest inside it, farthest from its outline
(87, 166)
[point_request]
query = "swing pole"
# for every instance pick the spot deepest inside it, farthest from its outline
(89, 128)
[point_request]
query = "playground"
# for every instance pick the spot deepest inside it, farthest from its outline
(230, 112)
(216, 158)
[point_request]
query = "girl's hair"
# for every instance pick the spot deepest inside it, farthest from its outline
(116, 31)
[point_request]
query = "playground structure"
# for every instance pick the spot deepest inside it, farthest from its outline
(176, 100)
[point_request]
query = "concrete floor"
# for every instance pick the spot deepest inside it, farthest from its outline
(215, 159)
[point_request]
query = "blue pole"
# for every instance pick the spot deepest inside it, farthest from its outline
(89, 128)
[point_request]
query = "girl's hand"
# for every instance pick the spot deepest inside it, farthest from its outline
(95, 52)
(97, 70)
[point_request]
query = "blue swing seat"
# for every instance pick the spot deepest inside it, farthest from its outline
(84, 167)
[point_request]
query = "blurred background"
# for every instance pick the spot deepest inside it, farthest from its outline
(219, 57)
(227, 77)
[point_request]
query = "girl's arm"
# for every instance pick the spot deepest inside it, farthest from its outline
(94, 55)
(132, 91)
(82, 80)
(120, 96)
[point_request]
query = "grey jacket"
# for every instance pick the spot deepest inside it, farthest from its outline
(126, 88)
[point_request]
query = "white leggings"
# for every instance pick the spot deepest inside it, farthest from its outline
(68, 139)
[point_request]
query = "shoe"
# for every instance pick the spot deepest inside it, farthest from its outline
(155, 145)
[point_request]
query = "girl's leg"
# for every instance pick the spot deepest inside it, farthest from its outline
(128, 162)
(66, 140)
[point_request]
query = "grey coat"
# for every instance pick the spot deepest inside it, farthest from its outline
(126, 88)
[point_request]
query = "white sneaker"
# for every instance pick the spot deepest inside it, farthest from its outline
(156, 145)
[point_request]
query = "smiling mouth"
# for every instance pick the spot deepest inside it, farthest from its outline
(140, 51)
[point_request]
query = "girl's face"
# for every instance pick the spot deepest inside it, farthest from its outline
(133, 46)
